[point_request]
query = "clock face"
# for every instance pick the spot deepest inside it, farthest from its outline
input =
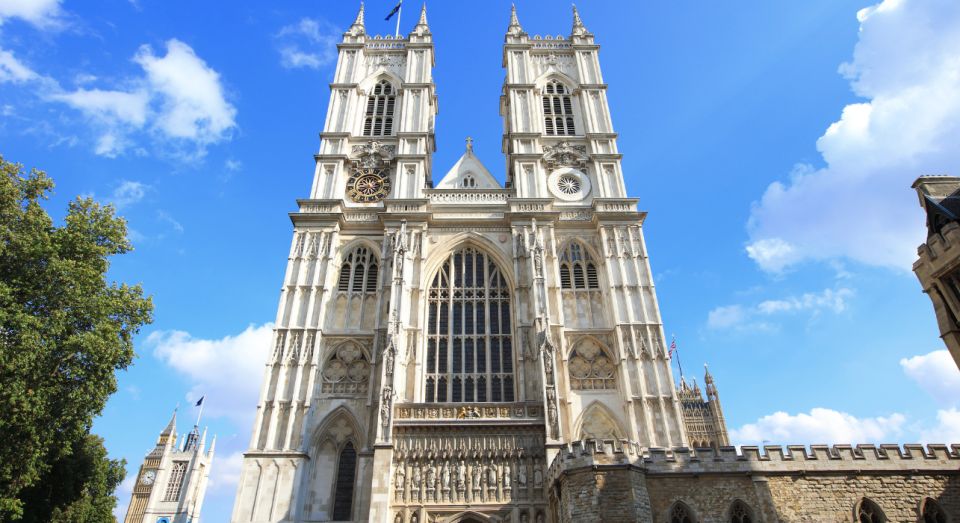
(368, 185)
(148, 477)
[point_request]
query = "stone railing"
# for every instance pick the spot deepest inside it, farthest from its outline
(615, 205)
(318, 206)
(420, 413)
(459, 197)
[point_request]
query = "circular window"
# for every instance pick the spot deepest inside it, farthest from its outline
(569, 184)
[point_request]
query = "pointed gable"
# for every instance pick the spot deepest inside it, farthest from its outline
(468, 173)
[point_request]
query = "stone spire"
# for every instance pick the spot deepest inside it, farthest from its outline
(169, 433)
(423, 16)
(514, 27)
(578, 27)
(357, 28)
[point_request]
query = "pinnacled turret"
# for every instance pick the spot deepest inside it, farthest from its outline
(514, 27)
(578, 28)
(422, 27)
(713, 400)
(169, 433)
(357, 28)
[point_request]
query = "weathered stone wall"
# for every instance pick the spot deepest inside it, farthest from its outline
(619, 481)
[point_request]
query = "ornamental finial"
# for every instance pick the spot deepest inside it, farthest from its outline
(514, 27)
(578, 27)
(469, 144)
(357, 26)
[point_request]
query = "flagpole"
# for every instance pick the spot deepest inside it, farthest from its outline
(199, 414)
(397, 34)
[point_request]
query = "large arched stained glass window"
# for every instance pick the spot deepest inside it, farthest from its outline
(469, 342)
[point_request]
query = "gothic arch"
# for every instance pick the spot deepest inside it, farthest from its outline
(351, 244)
(338, 433)
(680, 512)
(867, 511)
(468, 516)
(373, 79)
(740, 512)
(597, 421)
(931, 511)
(568, 82)
(440, 252)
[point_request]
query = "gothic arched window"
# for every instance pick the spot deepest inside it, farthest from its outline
(681, 513)
(740, 513)
(932, 512)
(346, 475)
(358, 272)
(356, 296)
(468, 182)
(577, 269)
(469, 341)
(380, 107)
(869, 512)
(557, 110)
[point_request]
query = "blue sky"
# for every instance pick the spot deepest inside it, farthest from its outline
(772, 143)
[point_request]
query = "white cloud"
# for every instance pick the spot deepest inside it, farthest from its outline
(947, 429)
(859, 204)
(319, 36)
(726, 316)
(128, 193)
(178, 99)
(13, 70)
(225, 472)
(233, 165)
(41, 13)
(937, 374)
(164, 216)
(192, 101)
(756, 317)
(228, 371)
(123, 492)
(820, 425)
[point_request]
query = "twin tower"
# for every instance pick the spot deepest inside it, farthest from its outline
(438, 344)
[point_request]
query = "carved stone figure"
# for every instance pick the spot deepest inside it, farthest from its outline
(476, 477)
(506, 476)
(461, 476)
(524, 518)
(492, 476)
(445, 476)
(537, 476)
(416, 478)
(522, 475)
(416, 519)
(401, 477)
(539, 517)
(431, 477)
(398, 518)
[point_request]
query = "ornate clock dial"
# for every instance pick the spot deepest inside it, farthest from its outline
(148, 477)
(368, 185)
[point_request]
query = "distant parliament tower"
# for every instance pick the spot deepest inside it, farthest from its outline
(462, 351)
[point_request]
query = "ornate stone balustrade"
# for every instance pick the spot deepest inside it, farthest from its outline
(473, 197)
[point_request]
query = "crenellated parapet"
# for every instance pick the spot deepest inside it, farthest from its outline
(769, 459)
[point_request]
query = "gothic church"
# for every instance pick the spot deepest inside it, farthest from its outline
(457, 350)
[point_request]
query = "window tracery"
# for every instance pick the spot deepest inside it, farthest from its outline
(469, 333)
(680, 513)
(577, 269)
(378, 120)
(591, 367)
(580, 285)
(356, 293)
(557, 110)
(740, 513)
(347, 371)
(869, 512)
(933, 512)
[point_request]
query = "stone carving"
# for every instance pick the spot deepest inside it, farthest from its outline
(591, 367)
(506, 476)
(400, 478)
(347, 370)
(373, 155)
(537, 475)
(476, 478)
(552, 413)
(524, 518)
(522, 476)
(461, 476)
(565, 154)
(430, 411)
(386, 405)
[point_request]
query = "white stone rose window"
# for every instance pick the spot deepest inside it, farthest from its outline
(569, 184)
(347, 370)
(591, 367)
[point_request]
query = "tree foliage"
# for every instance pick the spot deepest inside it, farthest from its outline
(64, 332)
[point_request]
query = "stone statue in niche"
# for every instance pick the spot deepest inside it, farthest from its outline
(539, 517)
(400, 479)
(431, 477)
(398, 518)
(524, 518)
(522, 475)
(537, 476)
(416, 519)
(461, 476)
(476, 477)
(492, 476)
(445, 475)
(506, 476)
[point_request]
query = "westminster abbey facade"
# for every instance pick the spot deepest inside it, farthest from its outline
(448, 349)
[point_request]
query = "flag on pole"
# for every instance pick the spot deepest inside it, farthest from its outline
(394, 11)
(673, 348)
(199, 402)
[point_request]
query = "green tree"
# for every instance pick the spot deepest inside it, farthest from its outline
(64, 332)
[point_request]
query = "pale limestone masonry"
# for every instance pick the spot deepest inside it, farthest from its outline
(938, 266)
(615, 481)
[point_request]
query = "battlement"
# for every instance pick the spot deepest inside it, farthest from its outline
(769, 459)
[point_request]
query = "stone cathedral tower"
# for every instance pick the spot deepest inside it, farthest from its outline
(437, 345)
